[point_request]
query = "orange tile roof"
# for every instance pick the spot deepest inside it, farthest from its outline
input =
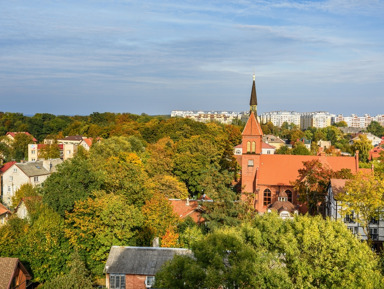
(6, 166)
(4, 210)
(375, 152)
(14, 133)
(88, 141)
(252, 127)
(183, 210)
(267, 146)
(283, 169)
(338, 186)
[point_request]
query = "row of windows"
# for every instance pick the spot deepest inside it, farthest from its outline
(268, 196)
(251, 147)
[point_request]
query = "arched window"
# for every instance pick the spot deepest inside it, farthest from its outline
(267, 197)
(289, 195)
(253, 147)
(248, 147)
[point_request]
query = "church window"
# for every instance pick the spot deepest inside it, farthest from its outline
(267, 197)
(250, 163)
(253, 147)
(248, 147)
(289, 195)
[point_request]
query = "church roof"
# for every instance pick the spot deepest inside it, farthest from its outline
(284, 169)
(253, 100)
(252, 127)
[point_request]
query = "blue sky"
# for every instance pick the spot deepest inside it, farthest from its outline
(79, 57)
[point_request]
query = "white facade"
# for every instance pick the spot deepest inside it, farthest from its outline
(208, 116)
(279, 117)
(318, 119)
(359, 121)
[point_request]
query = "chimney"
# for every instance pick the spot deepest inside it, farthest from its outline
(357, 160)
(187, 201)
(47, 165)
(156, 242)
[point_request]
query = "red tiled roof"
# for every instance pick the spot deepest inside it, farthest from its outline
(43, 145)
(239, 146)
(183, 210)
(4, 210)
(6, 166)
(14, 133)
(337, 186)
(252, 127)
(88, 141)
(375, 152)
(283, 169)
(266, 146)
(8, 266)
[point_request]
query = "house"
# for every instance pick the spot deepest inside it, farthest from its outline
(34, 151)
(34, 173)
(333, 209)
(72, 143)
(13, 274)
(375, 152)
(372, 138)
(324, 144)
(11, 135)
(283, 206)
(136, 267)
(188, 208)
(273, 141)
(4, 214)
(3, 169)
(264, 176)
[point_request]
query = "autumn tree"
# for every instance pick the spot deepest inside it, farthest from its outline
(363, 197)
(49, 151)
(311, 184)
(25, 190)
(97, 223)
(363, 145)
(19, 147)
(376, 128)
(168, 186)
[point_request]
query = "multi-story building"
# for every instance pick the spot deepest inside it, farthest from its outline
(333, 209)
(318, 119)
(279, 117)
(34, 173)
(208, 116)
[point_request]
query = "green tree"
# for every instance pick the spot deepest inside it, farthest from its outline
(77, 277)
(19, 147)
(300, 149)
(363, 197)
(97, 223)
(25, 190)
(283, 150)
(340, 124)
(74, 180)
(363, 145)
(49, 151)
(168, 186)
(376, 128)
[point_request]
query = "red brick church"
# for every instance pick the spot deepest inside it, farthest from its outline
(268, 177)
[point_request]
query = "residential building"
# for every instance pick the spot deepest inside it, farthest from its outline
(265, 176)
(136, 267)
(187, 208)
(35, 149)
(372, 138)
(359, 121)
(34, 173)
(224, 117)
(4, 214)
(333, 208)
(280, 117)
(11, 135)
(13, 274)
(318, 119)
(273, 140)
(72, 143)
(376, 152)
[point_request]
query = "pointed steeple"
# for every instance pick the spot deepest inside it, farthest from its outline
(253, 101)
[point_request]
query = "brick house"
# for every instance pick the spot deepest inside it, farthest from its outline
(136, 267)
(13, 274)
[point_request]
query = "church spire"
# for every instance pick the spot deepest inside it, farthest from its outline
(253, 101)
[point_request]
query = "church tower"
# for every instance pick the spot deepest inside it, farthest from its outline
(252, 138)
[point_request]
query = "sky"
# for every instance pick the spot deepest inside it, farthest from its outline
(81, 56)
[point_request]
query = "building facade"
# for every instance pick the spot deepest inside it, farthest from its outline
(280, 117)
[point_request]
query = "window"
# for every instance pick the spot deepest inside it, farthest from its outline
(250, 163)
(10, 178)
(349, 218)
(289, 195)
(9, 188)
(15, 170)
(117, 281)
(68, 152)
(33, 152)
(36, 179)
(267, 197)
(149, 281)
(253, 147)
(374, 221)
(248, 147)
(373, 233)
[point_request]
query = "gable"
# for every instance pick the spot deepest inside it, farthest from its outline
(252, 128)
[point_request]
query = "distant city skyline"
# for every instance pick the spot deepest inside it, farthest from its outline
(78, 57)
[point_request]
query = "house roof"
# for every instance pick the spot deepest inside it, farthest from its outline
(283, 169)
(252, 127)
(6, 166)
(140, 260)
(73, 137)
(88, 141)
(43, 145)
(337, 186)
(253, 100)
(32, 169)
(283, 206)
(266, 146)
(4, 210)
(8, 267)
(184, 209)
(14, 133)
(273, 139)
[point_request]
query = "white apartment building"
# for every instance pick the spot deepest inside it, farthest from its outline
(318, 119)
(279, 117)
(359, 121)
(208, 116)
